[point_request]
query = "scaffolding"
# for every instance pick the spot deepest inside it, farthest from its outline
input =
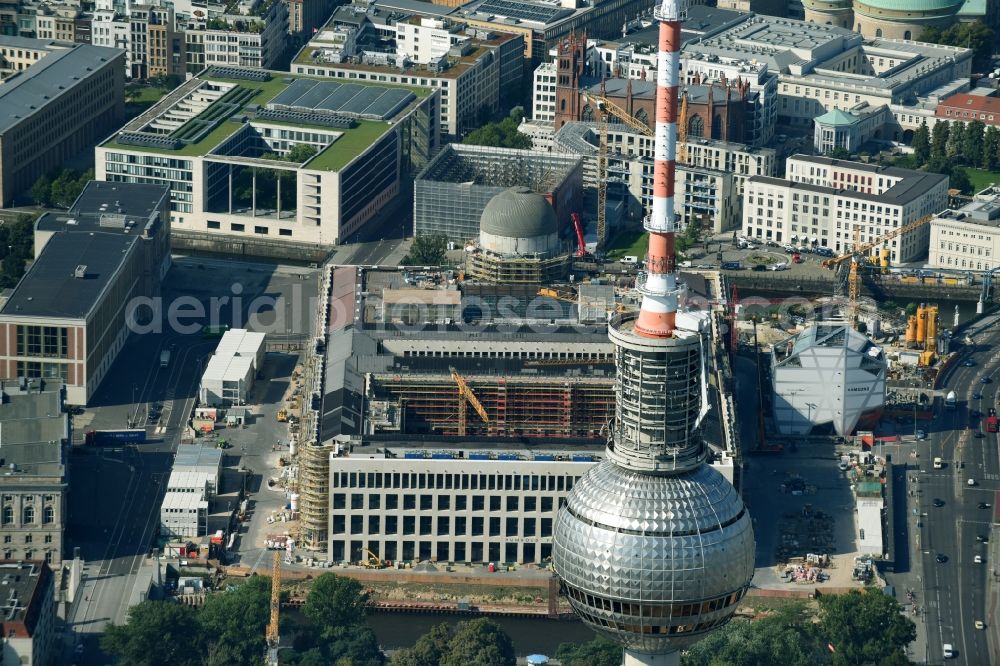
(452, 191)
(489, 267)
(565, 406)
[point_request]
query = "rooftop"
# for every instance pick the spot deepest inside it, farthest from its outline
(969, 102)
(836, 117)
(534, 13)
(34, 427)
(24, 93)
(25, 585)
(190, 455)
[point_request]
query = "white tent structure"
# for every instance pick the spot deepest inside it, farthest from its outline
(828, 373)
(230, 372)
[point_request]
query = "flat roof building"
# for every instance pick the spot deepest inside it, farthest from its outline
(29, 619)
(273, 164)
(822, 201)
(230, 373)
(36, 438)
(54, 107)
(70, 314)
(191, 488)
(969, 237)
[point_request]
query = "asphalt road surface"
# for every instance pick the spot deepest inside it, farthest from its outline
(957, 590)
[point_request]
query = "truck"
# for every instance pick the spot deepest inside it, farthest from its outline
(731, 265)
(950, 401)
(992, 424)
(164, 358)
(111, 437)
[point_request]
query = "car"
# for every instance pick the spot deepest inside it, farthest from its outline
(984, 505)
(975, 413)
(971, 482)
(948, 651)
(921, 434)
(979, 434)
(938, 502)
(978, 559)
(982, 538)
(968, 363)
(992, 412)
(79, 648)
(759, 267)
(796, 258)
(941, 558)
(979, 624)
(778, 267)
(977, 396)
(985, 379)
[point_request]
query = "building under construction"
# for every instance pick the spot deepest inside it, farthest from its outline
(452, 191)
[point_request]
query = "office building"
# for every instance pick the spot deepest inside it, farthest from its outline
(710, 181)
(478, 72)
(827, 374)
(29, 621)
(450, 194)
(223, 143)
(824, 202)
(258, 42)
(969, 237)
(60, 105)
(71, 313)
(36, 440)
(230, 372)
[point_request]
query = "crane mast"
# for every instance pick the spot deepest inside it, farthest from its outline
(273, 639)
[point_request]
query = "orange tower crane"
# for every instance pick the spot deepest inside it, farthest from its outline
(465, 395)
(273, 639)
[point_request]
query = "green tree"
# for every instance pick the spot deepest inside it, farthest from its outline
(959, 180)
(975, 36)
(785, 637)
(598, 652)
(922, 143)
(429, 649)
(972, 142)
(864, 627)
(839, 153)
(481, 642)
(234, 622)
(156, 633)
(427, 250)
(300, 152)
(335, 601)
(17, 247)
(503, 134)
(956, 134)
(991, 148)
(939, 139)
(41, 191)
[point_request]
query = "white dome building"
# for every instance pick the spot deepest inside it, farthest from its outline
(518, 241)
(828, 373)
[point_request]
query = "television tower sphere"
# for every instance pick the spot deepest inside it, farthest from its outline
(655, 548)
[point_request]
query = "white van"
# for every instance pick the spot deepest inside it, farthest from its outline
(949, 651)
(938, 464)
(630, 259)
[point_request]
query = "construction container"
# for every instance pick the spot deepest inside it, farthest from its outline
(921, 324)
(911, 331)
(932, 317)
(927, 358)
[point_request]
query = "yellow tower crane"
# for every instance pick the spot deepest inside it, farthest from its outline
(857, 253)
(466, 396)
(607, 108)
(272, 627)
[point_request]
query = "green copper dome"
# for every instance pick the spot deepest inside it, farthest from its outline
(923, 6)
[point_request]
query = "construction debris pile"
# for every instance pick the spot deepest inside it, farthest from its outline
(804, 532)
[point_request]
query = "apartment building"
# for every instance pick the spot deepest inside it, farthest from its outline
(248, 41)
(33, 489)
(29, 620)
(823, 202)
(709, 182)
(54, 109)
(20, 53)
(232, 185)
(476, 73)
(69, 316)
(968, 237)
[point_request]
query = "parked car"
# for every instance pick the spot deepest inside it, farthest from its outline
(921, 434)
(796, 258)
(941, 558)
(759, 267)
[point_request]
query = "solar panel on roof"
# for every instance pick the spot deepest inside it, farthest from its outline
(340, 97)
(305, 118)
(390, 103)
(362, 100)
(314, 95)
(293, 92)
(239, 73)
(521, 10)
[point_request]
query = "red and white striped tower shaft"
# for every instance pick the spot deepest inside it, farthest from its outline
(661, 292)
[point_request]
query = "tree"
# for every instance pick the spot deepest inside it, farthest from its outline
(598, 652)
(503, 134)
(991, 148)
(786, 636)
(427, 250)
(429, 649)
(335, 601)
(939, 138)
(922, 143)
(975, 36)
(481, 642)
(17, 247)
(300, 152)
(234, 622)
(41, 191)
(865, 627)
(955, 136)
(839, 153)
(959, 180)
(972, 142)
(156, 633)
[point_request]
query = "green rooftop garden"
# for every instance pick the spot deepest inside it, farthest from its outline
(350, 144)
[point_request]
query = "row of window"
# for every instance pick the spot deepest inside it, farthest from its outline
(452, 481)
(443, 503)
(236, 226)
(28, 538)
(27, 515)
(441, 526)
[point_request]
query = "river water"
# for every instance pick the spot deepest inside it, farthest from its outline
(530, 635)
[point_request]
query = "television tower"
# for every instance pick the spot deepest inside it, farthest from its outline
(655, 548)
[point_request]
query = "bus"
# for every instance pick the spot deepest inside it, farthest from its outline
(992, 424)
